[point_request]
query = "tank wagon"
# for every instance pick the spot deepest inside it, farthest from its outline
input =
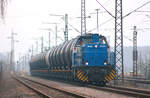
(84, 58)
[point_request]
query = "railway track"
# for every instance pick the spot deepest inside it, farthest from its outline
(47, 91)
(138, 93)
(144, 81)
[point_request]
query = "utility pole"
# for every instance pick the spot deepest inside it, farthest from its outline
(56, 33)
(49, 39)
(140, 63)
(97, 11)
(119, 40)
(119, 35)
(65, 19)
(42, 44)
(66, 28)
(37, 47)
(32, 51)
(49, 36)
(149, 68)
(135, 52)
(12, 53)
(83, 17)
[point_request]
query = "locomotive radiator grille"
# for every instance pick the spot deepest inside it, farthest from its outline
(82, 76)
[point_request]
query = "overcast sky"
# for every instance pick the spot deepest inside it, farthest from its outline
(26, 18)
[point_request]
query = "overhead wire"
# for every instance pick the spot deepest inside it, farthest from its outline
(105, 9)
(102, 24)
(72, 27)
(136, 9)
(114, 16)
(110, 15)
(143, 11)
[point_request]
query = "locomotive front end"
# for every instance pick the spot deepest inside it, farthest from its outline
(90, 59)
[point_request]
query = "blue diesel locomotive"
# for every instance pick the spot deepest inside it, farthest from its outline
(84, 58)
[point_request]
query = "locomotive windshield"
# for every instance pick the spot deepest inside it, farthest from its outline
(91, 39)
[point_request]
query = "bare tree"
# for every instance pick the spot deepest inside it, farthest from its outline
(3, 4)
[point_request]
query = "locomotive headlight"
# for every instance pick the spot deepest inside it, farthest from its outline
(96, 46)
(86, 63)
(105, 63)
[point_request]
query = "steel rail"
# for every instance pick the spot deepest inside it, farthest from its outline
(140, 81)
(57, 89)
(144, 81)
(140, 93)
(33, 88)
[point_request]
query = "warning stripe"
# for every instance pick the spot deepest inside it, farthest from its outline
(83, 77)
(79, 74)
(111, 76)
(113, 71)
(106, 79)
(86, 79)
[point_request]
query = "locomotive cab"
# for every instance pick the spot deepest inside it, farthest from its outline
(91, 50)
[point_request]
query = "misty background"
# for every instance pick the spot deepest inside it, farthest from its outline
(28, 17)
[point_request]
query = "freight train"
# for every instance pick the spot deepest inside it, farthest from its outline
(85, 58)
